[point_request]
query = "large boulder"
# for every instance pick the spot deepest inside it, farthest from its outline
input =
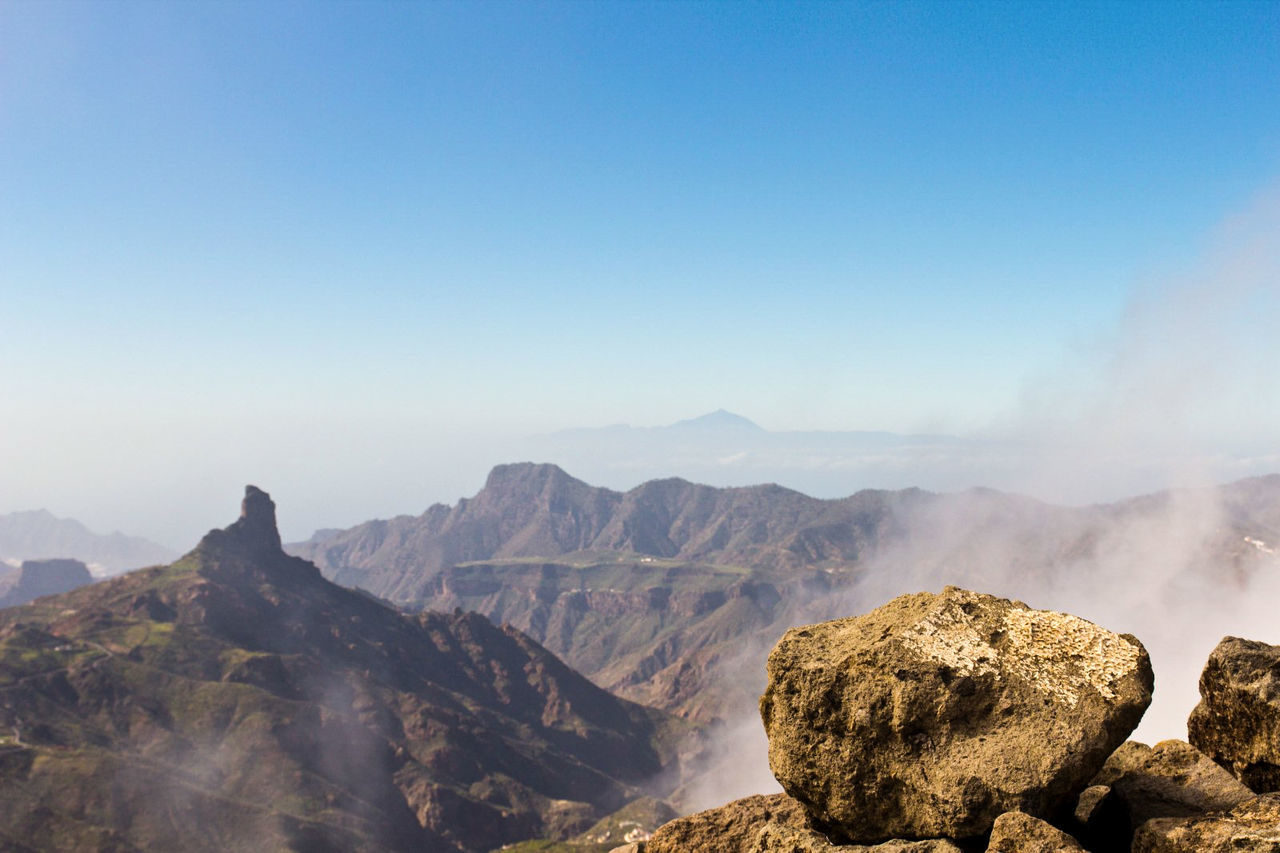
(1237, 722)
(1174, 779)
(730, 828)
(1251, 827)
(1016, 832)
(933, 715)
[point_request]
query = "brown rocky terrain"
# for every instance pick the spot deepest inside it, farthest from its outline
(661, 592)
(236, 700)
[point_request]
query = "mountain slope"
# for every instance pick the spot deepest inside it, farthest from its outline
(237, 700)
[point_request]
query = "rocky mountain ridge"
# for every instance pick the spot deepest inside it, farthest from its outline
(654, 592)
(238, 700)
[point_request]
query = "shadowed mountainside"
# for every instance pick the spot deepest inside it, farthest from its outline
(237, 700)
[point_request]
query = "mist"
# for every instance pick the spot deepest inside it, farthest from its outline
(1171, 397)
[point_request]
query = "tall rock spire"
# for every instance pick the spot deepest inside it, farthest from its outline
(256, 527)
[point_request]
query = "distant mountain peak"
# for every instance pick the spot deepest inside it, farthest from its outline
(257, 521)
(252, 542)
(719, 419)
(507, 475)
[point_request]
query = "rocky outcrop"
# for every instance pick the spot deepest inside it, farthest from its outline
(1173, 779)
(731, 828)
(1251, 827)
(35, 578)
(1016, 832)
(933, 715)
(1237, 722)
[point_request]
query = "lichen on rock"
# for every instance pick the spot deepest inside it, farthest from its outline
(934, 714)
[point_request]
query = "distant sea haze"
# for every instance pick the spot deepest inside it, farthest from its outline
(726, 449)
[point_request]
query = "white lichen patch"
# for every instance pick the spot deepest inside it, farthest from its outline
(1064, 655)
(948, 636)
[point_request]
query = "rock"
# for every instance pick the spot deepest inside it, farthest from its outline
(1016, 832)
(777, 838)
(1130, 755)
(1175, 780)
(633, 847)
(257, 522)
(1251, 827)
(1237, 722)
(731, 828)
(1100, 820)
(933, 715)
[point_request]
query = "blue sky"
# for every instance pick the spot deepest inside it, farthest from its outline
(315, 243)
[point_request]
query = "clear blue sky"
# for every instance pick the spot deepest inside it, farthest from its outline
(266, 240)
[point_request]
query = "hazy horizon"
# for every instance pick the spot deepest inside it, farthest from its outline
(358, 254)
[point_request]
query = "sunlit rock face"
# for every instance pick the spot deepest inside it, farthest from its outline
(1237, 722)
(1254, 825)
(933, 715)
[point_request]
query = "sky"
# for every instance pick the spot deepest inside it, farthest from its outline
(351, 251)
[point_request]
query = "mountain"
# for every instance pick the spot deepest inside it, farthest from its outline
(717, 421)
(726, 449)
(237, 700)
(38, 534)
(671, 593)
(35, 578)
(530, 510)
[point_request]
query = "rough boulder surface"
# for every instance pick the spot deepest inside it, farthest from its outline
(933, 715)
(1173, 779)
(1237, 722)
(1251, 827)
(1015, 832)
(731, 828)
(776, 838)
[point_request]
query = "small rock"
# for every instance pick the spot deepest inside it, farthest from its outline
(1251, 827)
(1176, 780)
(933, 715)
(731, 828)
(1130, 755)
(1016, 832)
(1100, 820)
(777, 838)
(1237, 722)
(633, 847)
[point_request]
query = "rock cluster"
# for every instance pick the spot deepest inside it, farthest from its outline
(935, 714)
(961, 721)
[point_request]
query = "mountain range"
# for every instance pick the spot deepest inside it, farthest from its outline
(658, 593)
(39, 534)
(237, 700)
